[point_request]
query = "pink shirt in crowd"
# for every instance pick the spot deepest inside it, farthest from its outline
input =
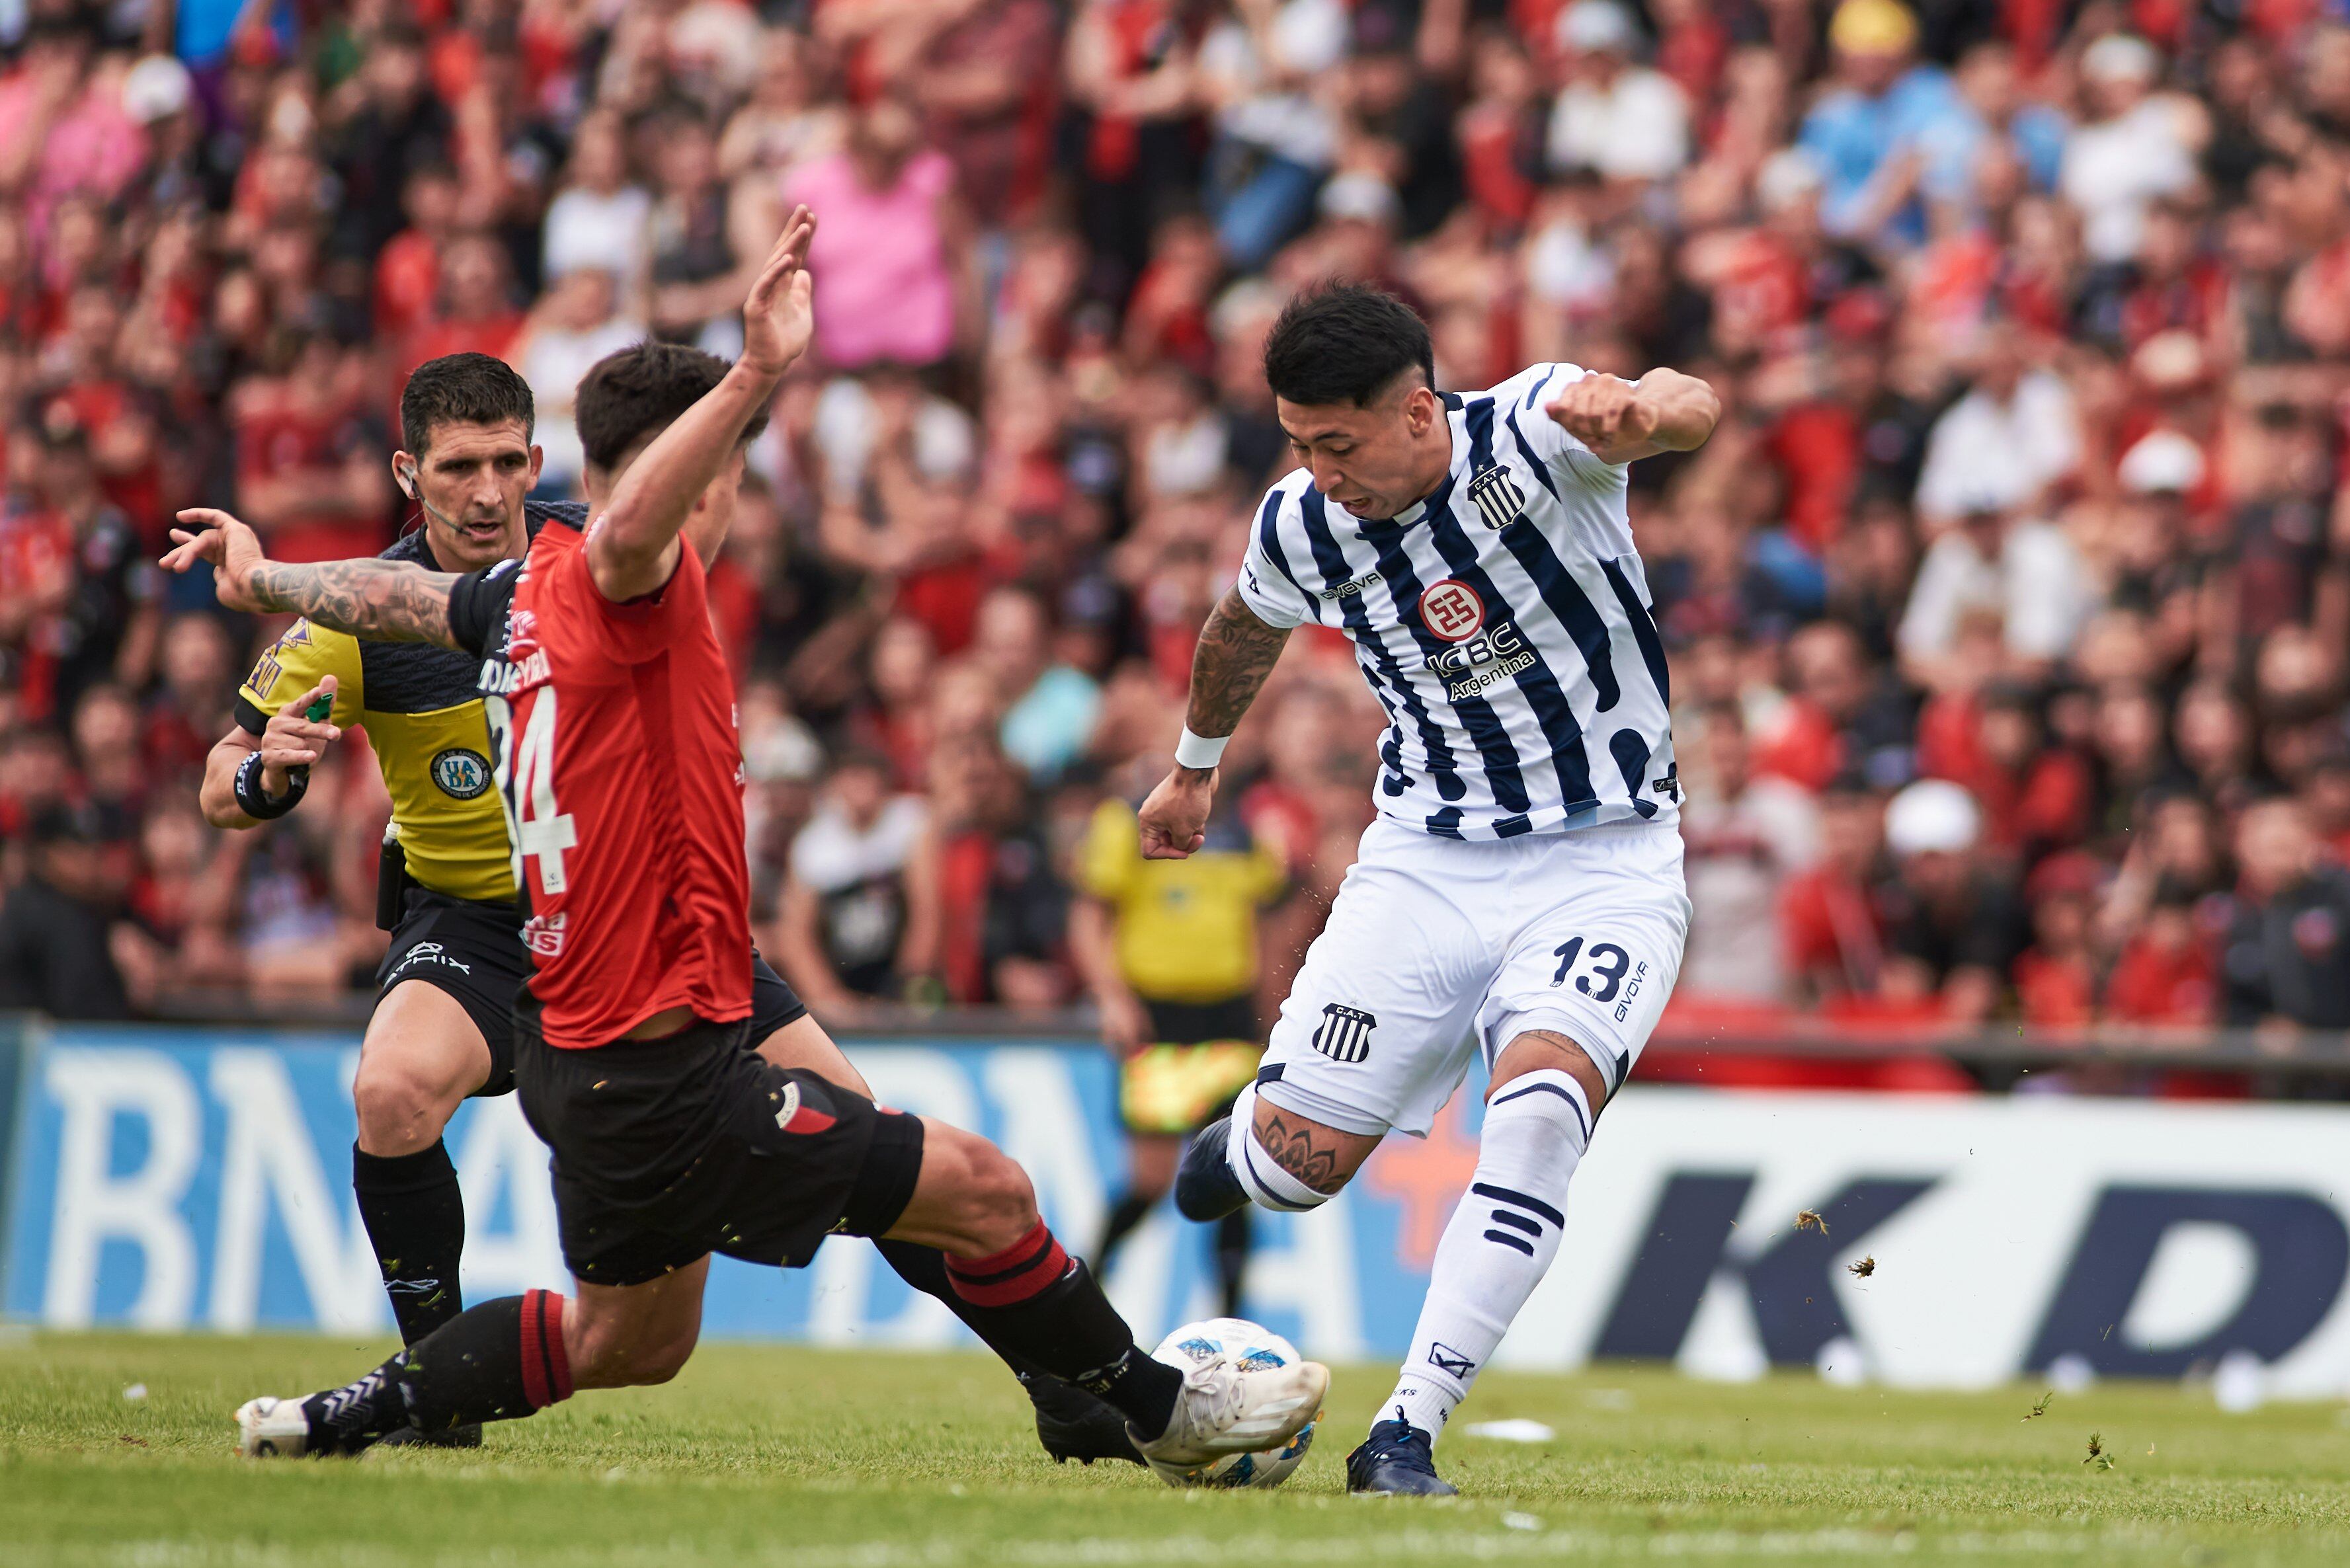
(92, 146)
(883, 290)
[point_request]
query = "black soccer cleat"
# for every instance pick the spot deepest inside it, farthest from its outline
(466, 1437)
(1398, 1459)
(1205, 1187)
(1074, 1425)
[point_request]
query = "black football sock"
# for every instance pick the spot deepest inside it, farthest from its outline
(925, 1269)
(415, 1218)
(1232, 1258)
(1044, 1306)
(1130, 1209)
(496, 1362)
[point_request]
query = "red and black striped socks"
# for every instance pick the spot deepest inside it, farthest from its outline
(1038, 1304)
(496, 1362)
(1027, 1267)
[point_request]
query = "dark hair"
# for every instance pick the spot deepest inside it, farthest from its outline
(1344, 343)
(637, 393)
(462, 388)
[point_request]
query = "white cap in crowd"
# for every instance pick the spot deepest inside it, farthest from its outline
(2161, 463)
(1601, 25)
(2120, 58)
(1932, 815)
(157, 88)
(1787, 176)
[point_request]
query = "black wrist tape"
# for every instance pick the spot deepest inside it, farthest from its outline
(256, 801)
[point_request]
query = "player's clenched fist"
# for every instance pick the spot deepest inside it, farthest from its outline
(1175, 818)
(1604, 411)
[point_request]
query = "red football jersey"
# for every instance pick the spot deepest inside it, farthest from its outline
(612, 730)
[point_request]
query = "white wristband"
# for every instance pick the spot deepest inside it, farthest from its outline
(1201, 751)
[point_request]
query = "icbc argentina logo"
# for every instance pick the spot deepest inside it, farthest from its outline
(1452, 610)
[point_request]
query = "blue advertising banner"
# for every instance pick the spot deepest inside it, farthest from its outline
(174, 1180)
(181, 1180)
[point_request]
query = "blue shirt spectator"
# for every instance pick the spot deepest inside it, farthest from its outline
(1874, 133)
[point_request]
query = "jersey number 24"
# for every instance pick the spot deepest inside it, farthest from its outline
(537, 829)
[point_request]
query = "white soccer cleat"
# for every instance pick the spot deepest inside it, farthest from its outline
(272, 1428)
(1225, 1410)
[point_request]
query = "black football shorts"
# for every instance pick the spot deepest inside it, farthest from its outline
(667, 1149)
(473, 950)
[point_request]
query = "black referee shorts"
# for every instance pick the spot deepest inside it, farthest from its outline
(666, 1150)
(473, 951)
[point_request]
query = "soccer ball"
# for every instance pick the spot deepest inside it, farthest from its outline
(1236, 1342)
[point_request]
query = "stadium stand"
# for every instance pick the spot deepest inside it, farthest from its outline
(2007, 608)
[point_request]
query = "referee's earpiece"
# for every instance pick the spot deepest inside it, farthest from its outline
(406, 475)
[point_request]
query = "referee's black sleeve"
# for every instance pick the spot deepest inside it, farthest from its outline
(477, 602)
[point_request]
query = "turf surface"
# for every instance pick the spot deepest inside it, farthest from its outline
(817, 1460)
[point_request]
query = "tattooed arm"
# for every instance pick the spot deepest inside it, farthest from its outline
(391, 601)
(1236, 652)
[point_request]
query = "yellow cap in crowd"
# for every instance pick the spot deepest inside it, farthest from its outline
(1873, 28)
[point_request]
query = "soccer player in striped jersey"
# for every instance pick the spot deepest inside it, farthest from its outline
(1520, 897)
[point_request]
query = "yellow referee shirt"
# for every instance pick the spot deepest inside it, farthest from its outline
(422, 712)
(1186, 930)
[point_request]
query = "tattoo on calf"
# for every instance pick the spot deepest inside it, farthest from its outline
(1293, 1148)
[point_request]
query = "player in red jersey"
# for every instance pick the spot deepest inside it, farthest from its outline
(672, 1138)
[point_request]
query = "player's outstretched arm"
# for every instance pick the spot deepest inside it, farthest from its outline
(1664, 410)
(391, 601)
(632, 547)
(1235, 653)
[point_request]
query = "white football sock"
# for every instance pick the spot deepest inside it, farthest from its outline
(1499, 1243)
(1269, 1186)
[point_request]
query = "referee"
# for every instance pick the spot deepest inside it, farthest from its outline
(440, 1032)
(1168, 949)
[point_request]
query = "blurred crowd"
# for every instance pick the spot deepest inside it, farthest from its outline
(2007, 609)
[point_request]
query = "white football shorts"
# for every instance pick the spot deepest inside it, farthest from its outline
(1438, 948)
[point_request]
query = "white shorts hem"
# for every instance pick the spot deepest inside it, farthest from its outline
(1603, 1052)
(1301, 1101)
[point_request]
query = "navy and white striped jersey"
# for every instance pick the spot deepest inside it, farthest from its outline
(1504, 623)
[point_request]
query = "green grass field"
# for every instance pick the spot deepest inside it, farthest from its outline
(870, 1460)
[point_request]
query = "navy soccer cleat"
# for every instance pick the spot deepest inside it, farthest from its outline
(1396, 1460)
(1205, 1187)
(1074, 1425)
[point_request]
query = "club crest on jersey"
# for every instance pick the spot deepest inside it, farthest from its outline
(462, 773)
(1496, 496)
(544, 934)
(1452, 610)
(1344, 1035)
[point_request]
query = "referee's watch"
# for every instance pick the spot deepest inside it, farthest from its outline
(252, 797)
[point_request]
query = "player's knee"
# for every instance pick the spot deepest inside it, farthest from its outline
(1002, 1206)
(401, 1109)
(1540, 1050)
